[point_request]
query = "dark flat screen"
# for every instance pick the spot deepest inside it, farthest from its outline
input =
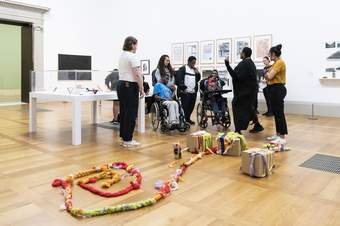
(74, 62)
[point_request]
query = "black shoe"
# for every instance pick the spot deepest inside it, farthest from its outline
(257, 128)
(269, 114)
(114, 122)
(191, 122)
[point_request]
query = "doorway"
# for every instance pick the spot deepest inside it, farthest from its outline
(16, 62)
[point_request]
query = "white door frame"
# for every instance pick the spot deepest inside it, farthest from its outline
(32, 14)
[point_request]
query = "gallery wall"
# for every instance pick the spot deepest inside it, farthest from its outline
(86, 27)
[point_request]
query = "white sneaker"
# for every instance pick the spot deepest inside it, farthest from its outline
(271, 138)
(130, 144)
(135, 143)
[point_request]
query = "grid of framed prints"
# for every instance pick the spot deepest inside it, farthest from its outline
(207, 52)
(214, 52)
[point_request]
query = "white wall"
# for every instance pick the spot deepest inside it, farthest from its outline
(98, 29)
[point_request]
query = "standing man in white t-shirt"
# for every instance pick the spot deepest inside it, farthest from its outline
(187, 78)
(129, 87)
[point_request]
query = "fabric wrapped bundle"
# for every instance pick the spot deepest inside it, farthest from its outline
(199, 142)
(230, 144)
(257, 162)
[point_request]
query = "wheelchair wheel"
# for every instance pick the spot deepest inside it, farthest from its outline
(201, 116)
(226, 123)
(183, 125)
(154, 115)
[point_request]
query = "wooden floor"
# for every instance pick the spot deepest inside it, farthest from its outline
(214, 191)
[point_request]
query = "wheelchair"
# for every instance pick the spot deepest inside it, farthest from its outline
(159, 117)
(204, 109)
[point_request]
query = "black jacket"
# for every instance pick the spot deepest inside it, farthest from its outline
(244, 78)
(180, 78)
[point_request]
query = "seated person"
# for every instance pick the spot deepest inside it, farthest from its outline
(214, 83)
(111, 82)
(162, 91)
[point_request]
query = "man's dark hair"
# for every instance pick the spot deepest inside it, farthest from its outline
(247, 52)
(191, 58)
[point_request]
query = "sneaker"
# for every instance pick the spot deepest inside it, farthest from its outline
(130, 144)
(280, 144)
(114, 122)
(257, 128)
(272, 138)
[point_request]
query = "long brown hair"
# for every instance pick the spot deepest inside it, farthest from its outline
(161, 66)
(129, 41)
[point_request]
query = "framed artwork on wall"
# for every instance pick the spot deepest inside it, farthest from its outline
(207, 52)
(206, 71)
(239, 44)
(223, 50)
(191, 49)
(145, 67)
(262, 45)
(225, 76)
(177, 53)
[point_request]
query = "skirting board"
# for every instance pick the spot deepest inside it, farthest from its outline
(305, 108)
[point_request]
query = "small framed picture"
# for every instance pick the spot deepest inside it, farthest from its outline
(207, 52)
(239, 44)
(262, 45)
(224, 75)
(177, 54)
(191, 49)
(206, 71)
(223, 50)
(145, 67)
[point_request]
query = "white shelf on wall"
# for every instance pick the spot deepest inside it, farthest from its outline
(329, 79)
(330, 82)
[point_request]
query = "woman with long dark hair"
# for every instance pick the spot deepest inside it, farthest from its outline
(276, 78)
(164, 69)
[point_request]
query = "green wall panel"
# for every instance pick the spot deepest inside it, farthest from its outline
(10, 56)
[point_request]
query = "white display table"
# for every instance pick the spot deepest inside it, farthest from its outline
(76, 109)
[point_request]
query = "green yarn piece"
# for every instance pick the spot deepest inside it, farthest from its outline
(111, 209)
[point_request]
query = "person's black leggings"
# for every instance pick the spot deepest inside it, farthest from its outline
(277, 93)
(128, 94)
(266, 96)
(188, 101)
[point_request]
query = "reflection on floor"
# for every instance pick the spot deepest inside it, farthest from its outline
(214, 192)
(10, 100)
